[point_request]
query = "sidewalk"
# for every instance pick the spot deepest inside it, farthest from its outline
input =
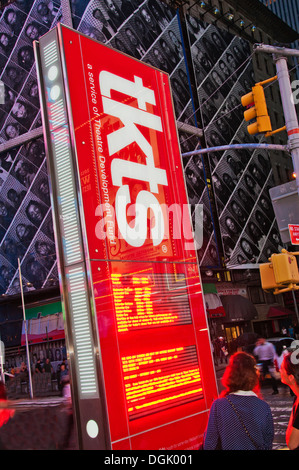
(44, 423)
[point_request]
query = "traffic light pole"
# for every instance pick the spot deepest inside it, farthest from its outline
(291, 121)
(295, 305)
(290, 115)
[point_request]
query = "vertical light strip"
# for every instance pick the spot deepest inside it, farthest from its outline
(68, 219)
(77, 284)
(67, 204)
(57, 114)
(67, 196)
(50, 53)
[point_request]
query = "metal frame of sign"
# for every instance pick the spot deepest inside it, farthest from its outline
(139, 348)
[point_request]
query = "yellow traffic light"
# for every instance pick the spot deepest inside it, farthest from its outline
(267, 277)
(285, 268)
(256, 102)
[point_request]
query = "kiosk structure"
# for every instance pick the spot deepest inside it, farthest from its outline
(141, 366)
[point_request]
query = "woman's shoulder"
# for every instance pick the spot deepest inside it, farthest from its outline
(239, 398)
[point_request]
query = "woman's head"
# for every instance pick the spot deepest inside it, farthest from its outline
(289, 370)
(241, 374)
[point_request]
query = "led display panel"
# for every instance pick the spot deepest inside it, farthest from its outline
(133, 249)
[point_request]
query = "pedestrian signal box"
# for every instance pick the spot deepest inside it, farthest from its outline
(267, 277)
(285, 268)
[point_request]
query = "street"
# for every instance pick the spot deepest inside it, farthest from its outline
(280, 404)
(33, 414)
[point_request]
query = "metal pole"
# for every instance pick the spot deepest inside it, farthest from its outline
(2, 359)
(296, 306)
(276, 50)
(280, 57)
(289, 110)
(221, 148)
(26, 334)
(21, 139)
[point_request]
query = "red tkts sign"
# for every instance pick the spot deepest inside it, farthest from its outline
(157, 367)
(134, 191)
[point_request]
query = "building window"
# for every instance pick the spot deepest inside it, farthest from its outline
(270, 298)
(256, 295)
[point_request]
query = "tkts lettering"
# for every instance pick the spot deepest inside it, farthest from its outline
(132, 117)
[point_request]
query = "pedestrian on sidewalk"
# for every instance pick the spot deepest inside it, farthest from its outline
(239, 419)
(222, 348)
(265, 353)
(289, 372)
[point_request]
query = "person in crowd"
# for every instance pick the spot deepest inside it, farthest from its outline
(63, 371)
(38, 367)
(47, 366)
(222, 349)
(265, 353)
(289, 373)
(291, 330)
(239, 419)
(64, 377)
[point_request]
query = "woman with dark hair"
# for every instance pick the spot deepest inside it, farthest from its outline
(289, 373)
(240, 419)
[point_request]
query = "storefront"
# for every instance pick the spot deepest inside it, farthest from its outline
(230, 313)
(46, 338)
(283, 321)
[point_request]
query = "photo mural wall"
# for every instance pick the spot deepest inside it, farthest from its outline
(150, 31)
(26, 229)
(241, 179)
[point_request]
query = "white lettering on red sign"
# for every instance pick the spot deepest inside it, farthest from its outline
(135, 233)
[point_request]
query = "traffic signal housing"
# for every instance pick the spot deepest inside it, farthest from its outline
(255, 101)
(267, 277)
(281, 274)
(285, 268)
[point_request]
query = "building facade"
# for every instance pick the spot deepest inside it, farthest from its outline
(289, 13)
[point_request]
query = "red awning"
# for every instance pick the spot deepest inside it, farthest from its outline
(274, 312)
